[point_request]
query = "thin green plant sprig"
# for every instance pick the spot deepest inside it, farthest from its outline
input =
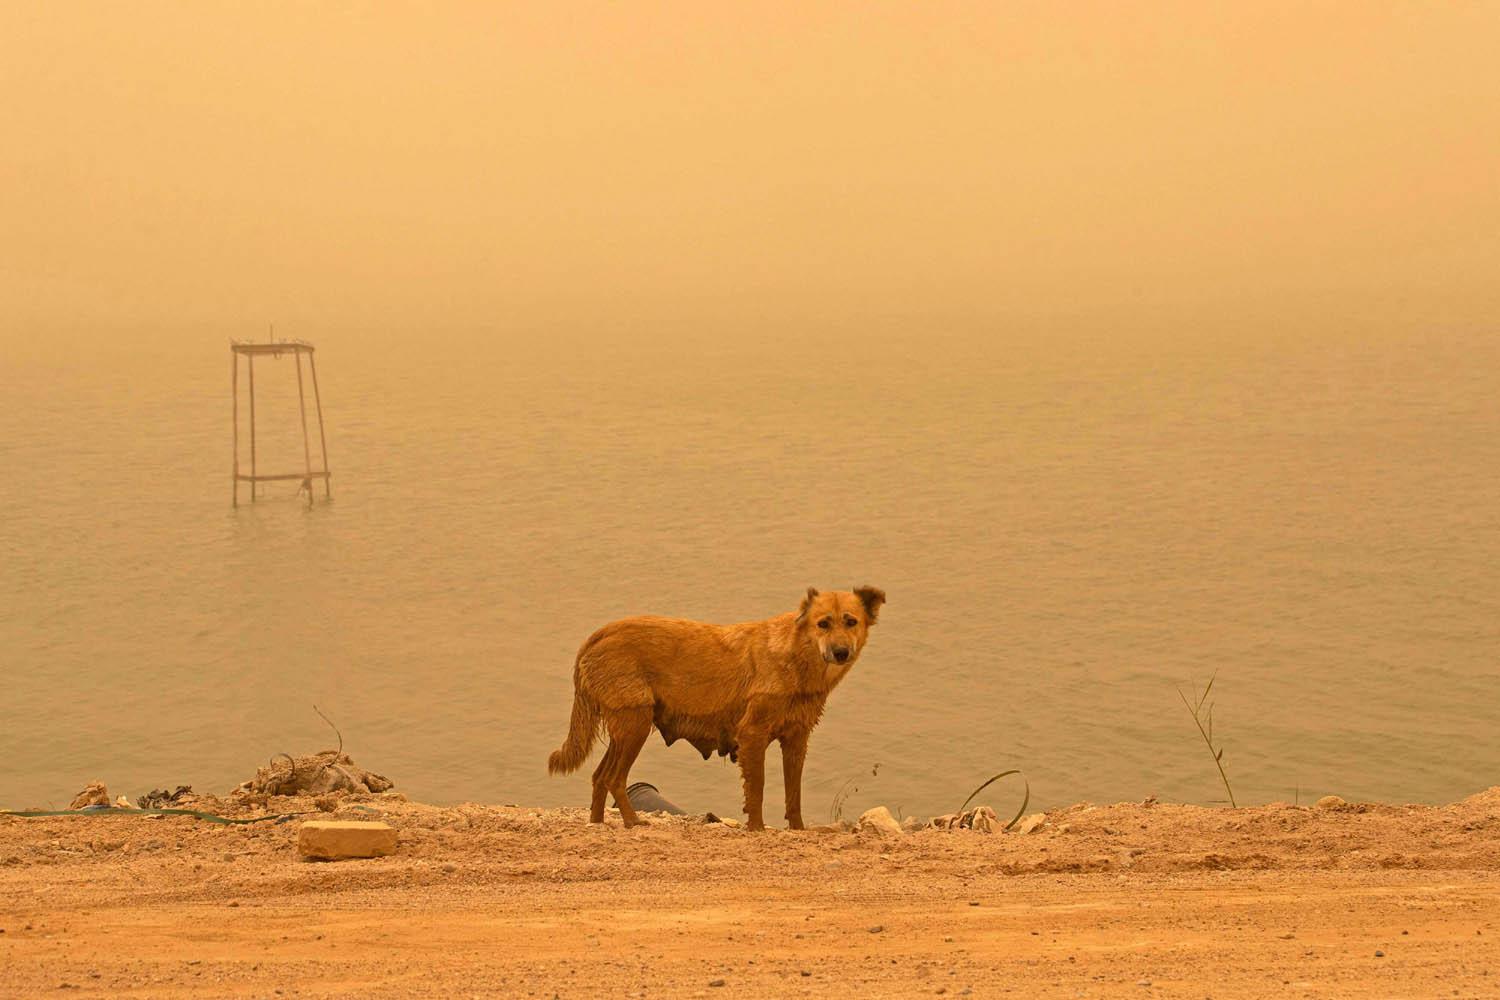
(836, 808)
(1207, 732)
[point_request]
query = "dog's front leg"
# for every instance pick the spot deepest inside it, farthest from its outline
(752, 735)
(793, 753)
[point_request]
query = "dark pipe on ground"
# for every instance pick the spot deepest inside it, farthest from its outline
(644, 797)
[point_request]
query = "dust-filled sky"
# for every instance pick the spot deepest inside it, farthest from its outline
(483, 164)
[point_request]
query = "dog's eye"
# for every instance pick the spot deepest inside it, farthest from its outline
(850, 622)
(825, 624)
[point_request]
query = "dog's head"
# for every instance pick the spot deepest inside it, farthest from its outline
(839, 621)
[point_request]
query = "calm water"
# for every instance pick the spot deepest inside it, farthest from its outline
(1067, 528)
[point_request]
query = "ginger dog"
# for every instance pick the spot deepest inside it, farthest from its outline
(726, 688)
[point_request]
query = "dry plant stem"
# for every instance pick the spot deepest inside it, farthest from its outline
(291, 763)
(339, 752)
(331, 725)
(1207, 736)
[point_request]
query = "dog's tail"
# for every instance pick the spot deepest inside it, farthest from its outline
(582, 731)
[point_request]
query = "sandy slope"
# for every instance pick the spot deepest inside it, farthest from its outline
(1129, 899)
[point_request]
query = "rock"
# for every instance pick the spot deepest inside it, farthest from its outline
(912, 824)
(944, 822)
(1332, 802)
(1032, 823)
(332, 840)
(877, 929)
(733, 824)
(93, 794)
(983, 820)
(121, 802)
(879, 820)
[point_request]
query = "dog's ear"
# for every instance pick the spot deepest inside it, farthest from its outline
(812, 593)
(872, 598)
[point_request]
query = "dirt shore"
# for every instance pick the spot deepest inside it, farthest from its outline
(1135, 899)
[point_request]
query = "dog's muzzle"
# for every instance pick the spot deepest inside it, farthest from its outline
(840, 654)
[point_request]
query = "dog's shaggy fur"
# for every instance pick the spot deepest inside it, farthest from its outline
(726, 688)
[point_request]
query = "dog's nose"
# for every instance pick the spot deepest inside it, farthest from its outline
(841, 654)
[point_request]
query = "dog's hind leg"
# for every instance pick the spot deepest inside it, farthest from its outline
(627, 734)
(601, 784)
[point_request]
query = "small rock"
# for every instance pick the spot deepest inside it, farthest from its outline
(879, 820)
(121, 802)
(912, 824)
(93, 794)
(982, 820)
(716, 982)
(1331, 802)
(1143, 982)
(1379, 954)
(1032, 823)
(877, 928)
(804, 973)
(944, 822)
(331, 840)
(733, 824)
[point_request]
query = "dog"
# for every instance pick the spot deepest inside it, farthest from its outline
(729, 689)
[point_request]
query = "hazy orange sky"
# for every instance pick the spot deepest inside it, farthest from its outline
(429, 165)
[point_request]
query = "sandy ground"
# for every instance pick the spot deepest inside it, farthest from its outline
(1134, 900)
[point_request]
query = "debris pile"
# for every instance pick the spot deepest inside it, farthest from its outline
(315, 774)
(160, 798)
